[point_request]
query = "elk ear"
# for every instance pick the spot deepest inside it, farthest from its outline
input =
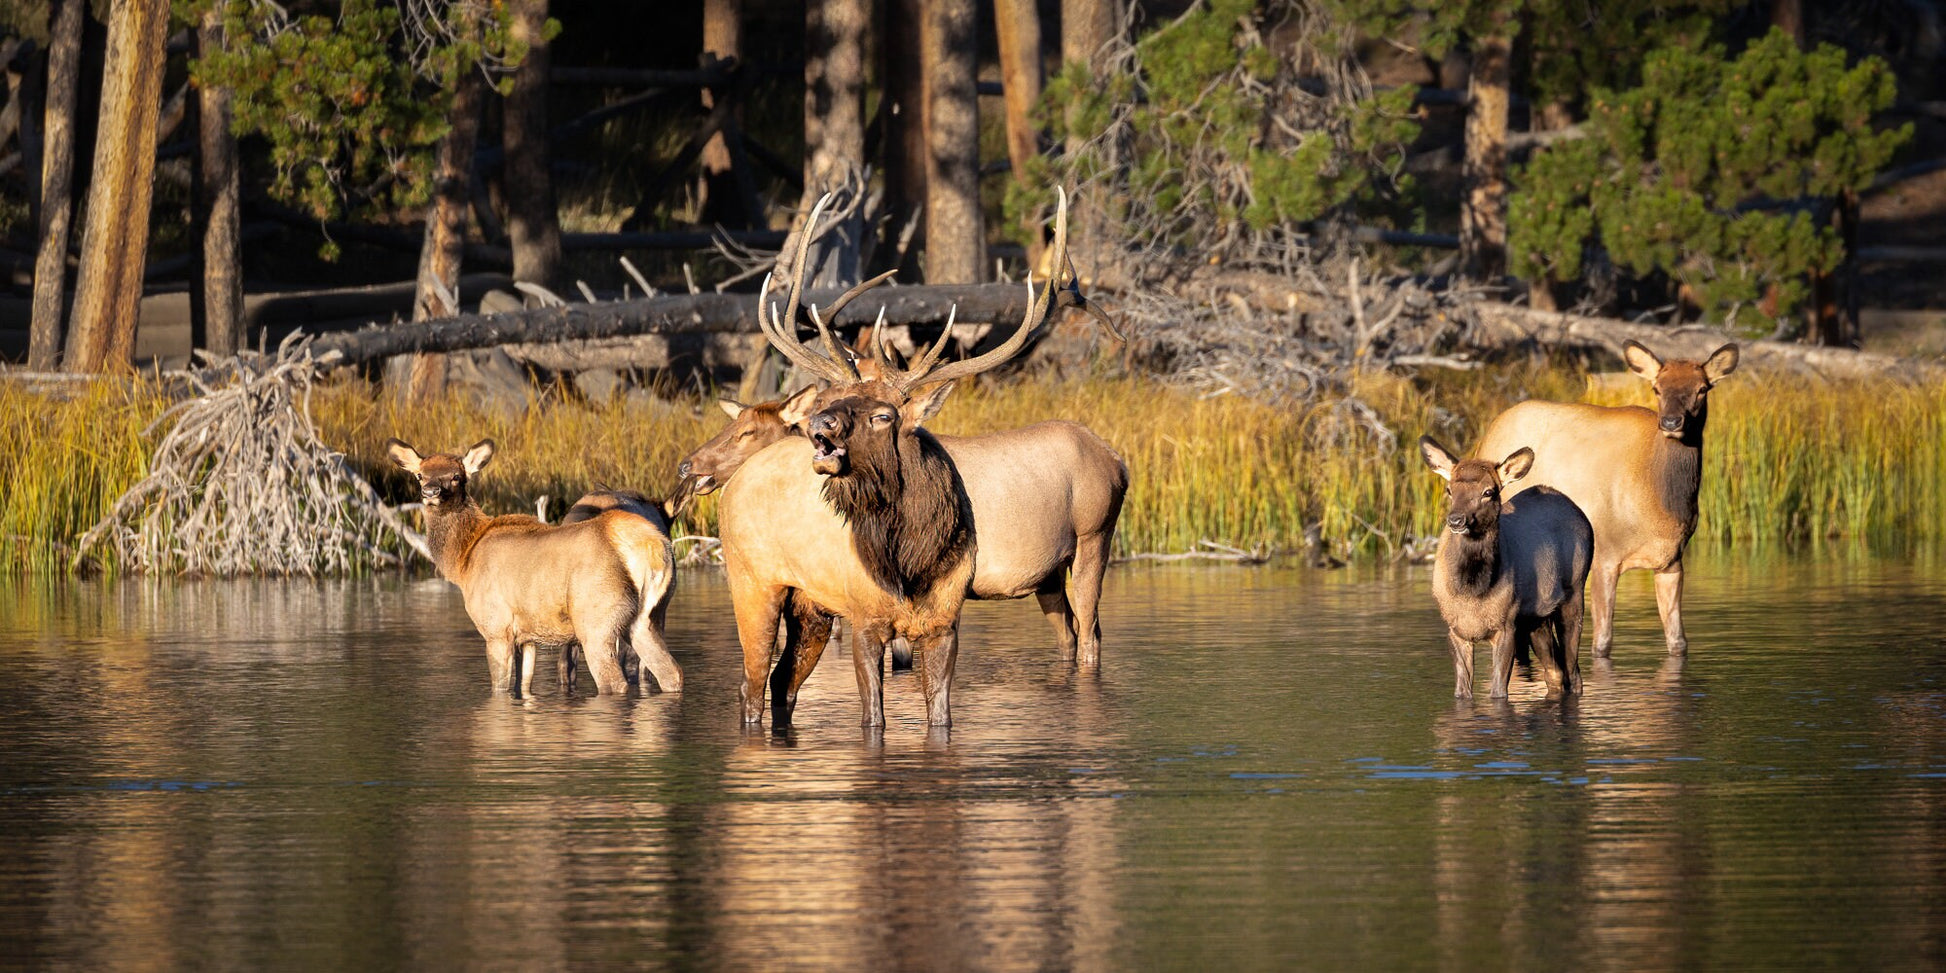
(476, 458)
(799, 406)
(407, 458)
(1641, 360)
(1516, 466)
(926, 404)
(1721, 362)
(1437, 457)
(731, 407)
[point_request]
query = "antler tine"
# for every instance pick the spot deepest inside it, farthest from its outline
(930, 356)
(1072, 297)
(878, 344)
(782, 331)
(831, 347)
(1036, 314)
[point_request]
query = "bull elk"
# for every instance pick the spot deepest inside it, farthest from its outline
(868, 516)
(599, 583)
(1045, 499)
(1635, 472)
(1510, 570)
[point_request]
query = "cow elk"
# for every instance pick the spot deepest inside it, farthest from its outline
(527, 585)
(868, 516)
(1635, 472)
(1510, 570)
(661, 513)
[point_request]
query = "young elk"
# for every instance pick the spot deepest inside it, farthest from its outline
(528, 585)
(868, 517)
(1046, 498)
(1635, 472)
(1509, 570)
(662, 514)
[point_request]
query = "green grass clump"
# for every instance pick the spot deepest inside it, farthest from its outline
(1787, 459)
(63, 463)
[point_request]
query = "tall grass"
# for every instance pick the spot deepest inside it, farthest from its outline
(1787, 459)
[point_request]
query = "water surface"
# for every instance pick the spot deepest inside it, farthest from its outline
(1268, 772)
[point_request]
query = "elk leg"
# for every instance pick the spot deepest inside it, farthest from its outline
(901, 654)
(527, 651)
(1503, 661)
(1668, 604)
(601, 641)
(500, 659)
(935, 658)
(867, 661)
(1540, 635)
(647, 637)
(1570, 621)
(806, 632)
(1090, 563)
(565, 668)
(1054, 604)
(1462, 665)
(756, 613)
(1601, 605)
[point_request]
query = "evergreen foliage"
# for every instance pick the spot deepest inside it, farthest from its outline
(1711, 171)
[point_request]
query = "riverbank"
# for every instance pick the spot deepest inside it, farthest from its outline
(1787, 459)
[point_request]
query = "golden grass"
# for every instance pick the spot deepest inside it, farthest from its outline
(1787, 459)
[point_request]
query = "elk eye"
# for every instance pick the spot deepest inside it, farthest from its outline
(882, 418)
(743, 435)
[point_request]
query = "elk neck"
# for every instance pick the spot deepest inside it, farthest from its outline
(451, 534)
(1676, 467)
(906, 512)
(1473, 563)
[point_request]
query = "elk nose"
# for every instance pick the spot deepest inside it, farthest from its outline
(824, 422)
(1671, 423)
(1455, 521)
(683, 469)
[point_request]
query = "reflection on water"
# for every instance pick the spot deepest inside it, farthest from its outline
(1268, 770)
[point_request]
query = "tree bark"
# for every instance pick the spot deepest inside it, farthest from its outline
(57, 185)
(1788, 16)
(834, 125)
(721, 198)
(955, 240)
(219, 316)
(1483, 219)
(904, 141)
(533, 222)
(1086, 27)
(439, 257)
(1017, 24)
(116, 239)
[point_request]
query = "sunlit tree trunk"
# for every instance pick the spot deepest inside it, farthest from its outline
(115, 241)
(955, 240)
(834, 122)
(57, 182)
(1018, 26)
(533, 222)
(722, 38)
(1483, 218)
(904, 140)
(439, 257)
(219, 313)
(1086, 28)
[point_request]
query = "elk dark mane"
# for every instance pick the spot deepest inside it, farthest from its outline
(906, 509)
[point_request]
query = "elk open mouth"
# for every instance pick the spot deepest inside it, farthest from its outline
(827, 457)
(701, 485)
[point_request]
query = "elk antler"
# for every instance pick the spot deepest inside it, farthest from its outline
(834, 365)
(924, 371)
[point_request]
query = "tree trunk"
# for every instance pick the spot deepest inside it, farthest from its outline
(1483, 219)
(439, 257)
(955, 240)
(1018, 26)
(721, 198)
(57, 183)
(1086, 27)
(834, 124)
(1788, 16)
(533, 224)
(904, 142)
(217, 317)
(115, 241)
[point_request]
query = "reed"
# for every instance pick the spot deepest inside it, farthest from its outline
(1787, 460)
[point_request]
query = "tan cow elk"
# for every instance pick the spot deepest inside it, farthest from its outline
(661, 513)
(528, 585)
(1510, 570)
(868, 517)
(1635, 472)
(1045, 499)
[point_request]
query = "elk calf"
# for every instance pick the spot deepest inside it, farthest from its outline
(1635, 472)
(527, 585)
(1509, 571)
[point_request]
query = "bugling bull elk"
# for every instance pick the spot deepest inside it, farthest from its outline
(1045, 500)
(1633, 471)
(600, 583)
(869, 516)
(1509, 571)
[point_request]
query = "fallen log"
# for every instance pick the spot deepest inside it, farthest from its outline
(1508, 323)
(669, 314)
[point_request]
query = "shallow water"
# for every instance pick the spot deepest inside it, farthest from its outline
(1268, 772)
